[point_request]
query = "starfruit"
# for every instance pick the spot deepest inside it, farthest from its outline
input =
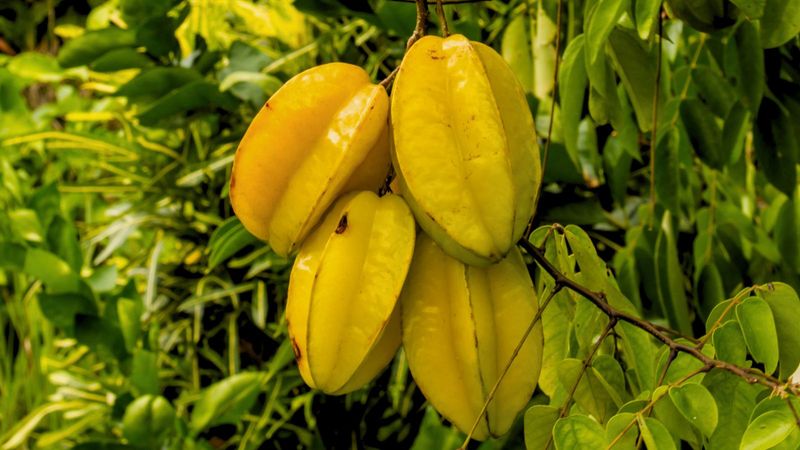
(322, 134)
(465, 148)
(705, 15)
(343, 290)
(461, 325)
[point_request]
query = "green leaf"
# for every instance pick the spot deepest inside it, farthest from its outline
(655, 435)
(62, 238)
(714, 89)
(609, 373)
(670, 278)
(93, 44)
(730, 344)
(144, 372)
(665, 411)
(197, 94)
(572, 81)
(588, 155)
(103, 279)
(148, 419)
(787, 228)
(61, 309)
(638, 349)
(751, 65)
(137, 12)
(785, 306)
(120, 59)
(56, 274)
(101, 336)
(35, 66)
(516, 50)
(578, 433)
(646, 14)
(591, 395)
(615, 428)
(637, 69)
(617, 165)
(226, 400)
(768, 430)
(601, 23)
(539, 422)
(25, 225)
(709, 287)
(735, 400)
(780, 22)
(668, 177)
(775, 145)
(717, 314)
(129, 314)
(704, 133)
(697, 405)
(228, 239)
(753, 9)
(157, 82)
(758, 327)
(734, 132)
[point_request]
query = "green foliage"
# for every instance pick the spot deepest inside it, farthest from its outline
(139, 313)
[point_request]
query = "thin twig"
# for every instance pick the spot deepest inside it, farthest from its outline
(546, 150)
(421, 25)
(514, 354)
(598, 299)
(386, 82)
(444, 29)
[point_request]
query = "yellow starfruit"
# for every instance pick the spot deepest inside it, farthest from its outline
(465, 149)
(461, 325)
(343, 289)
(322, 134)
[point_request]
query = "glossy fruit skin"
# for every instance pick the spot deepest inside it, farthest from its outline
(322, 134)
(460, 326)
(464, 147)
(343, 289)
(705, 15)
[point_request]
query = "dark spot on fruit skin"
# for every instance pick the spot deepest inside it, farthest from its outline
(267, 106)
(342, 227)
(296, 350)
(233, 181)
(435, 55)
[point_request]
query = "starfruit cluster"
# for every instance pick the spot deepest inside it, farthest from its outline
(457, 295)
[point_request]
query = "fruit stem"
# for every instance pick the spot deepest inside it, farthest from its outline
(421, 25)
(445, 30)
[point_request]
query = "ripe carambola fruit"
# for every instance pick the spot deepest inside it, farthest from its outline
(343, 289)
(324, 133)
(460, 326)
(465, 149)
(705, 15)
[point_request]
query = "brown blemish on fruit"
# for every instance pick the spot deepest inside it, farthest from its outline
(296, 350)
(434, 54)
(342, 227)
(267, 106)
